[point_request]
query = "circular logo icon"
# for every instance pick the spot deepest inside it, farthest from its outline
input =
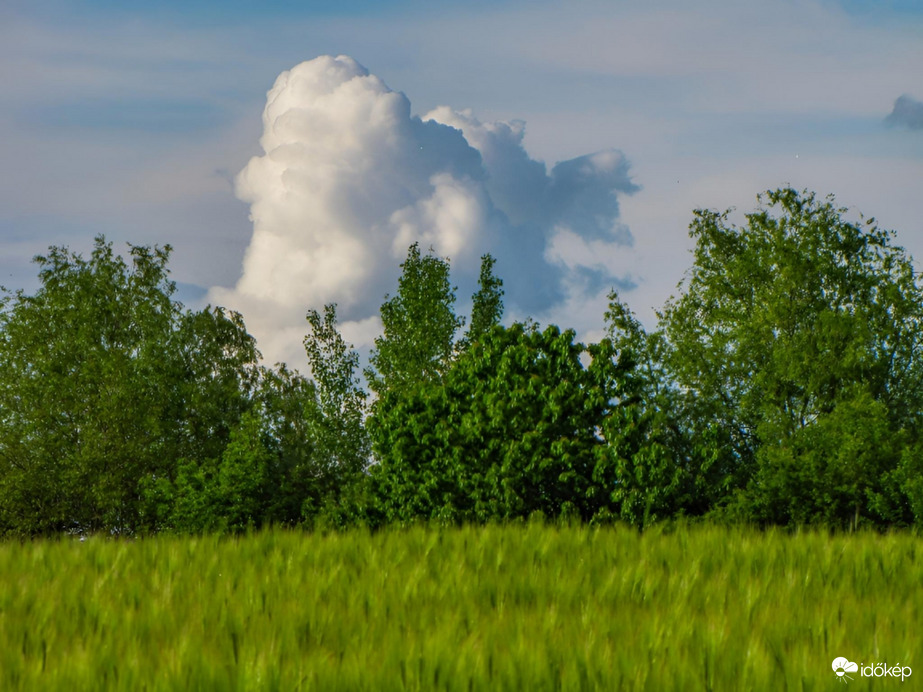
(842, 666)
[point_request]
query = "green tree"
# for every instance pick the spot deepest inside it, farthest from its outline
(104, 384)
(340, 441)
(214, 375)
(512, 430)
(243, 485)
(298, 476)
(658, 472)
(419, 325)
(266, 472)
(342, 401)
(228, 494)
(790, 332)
(293, 452)
(487, 305)
(76, 358)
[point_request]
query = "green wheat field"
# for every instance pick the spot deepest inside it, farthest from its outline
(528, 607)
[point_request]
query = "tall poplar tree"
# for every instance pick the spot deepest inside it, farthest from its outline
(419, 326)
(487, 305)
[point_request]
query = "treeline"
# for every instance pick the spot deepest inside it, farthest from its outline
(783, 385)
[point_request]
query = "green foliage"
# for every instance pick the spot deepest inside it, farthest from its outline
(74, 359)
(187, 505)
(287, 462)
(783, 386)
(243, 481)
(796, 345)
(511, 430)
(906, 484)
(213, 363)
(299, 475)
(419, 326)
(339, 434)
(230, 494)
(341, 444)
(487, 304)
(527, 607)
(656, 471)
(123, 413)
(104, 382)
(831, 470)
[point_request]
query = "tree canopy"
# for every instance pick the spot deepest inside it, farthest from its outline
(783, 385)
(511, 430)
(104, 379)
(419, 325)
(796, 343)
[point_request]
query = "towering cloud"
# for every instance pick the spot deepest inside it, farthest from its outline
(350, 178)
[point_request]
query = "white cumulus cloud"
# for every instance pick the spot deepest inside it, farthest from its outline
(349, 178)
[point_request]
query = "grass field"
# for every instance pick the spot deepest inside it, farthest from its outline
(497, 608)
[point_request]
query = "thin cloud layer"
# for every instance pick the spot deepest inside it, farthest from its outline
(906, 113)
(349, 178)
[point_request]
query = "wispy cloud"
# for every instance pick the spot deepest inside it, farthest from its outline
(907, 112)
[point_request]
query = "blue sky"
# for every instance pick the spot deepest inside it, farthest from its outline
(134, 119)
